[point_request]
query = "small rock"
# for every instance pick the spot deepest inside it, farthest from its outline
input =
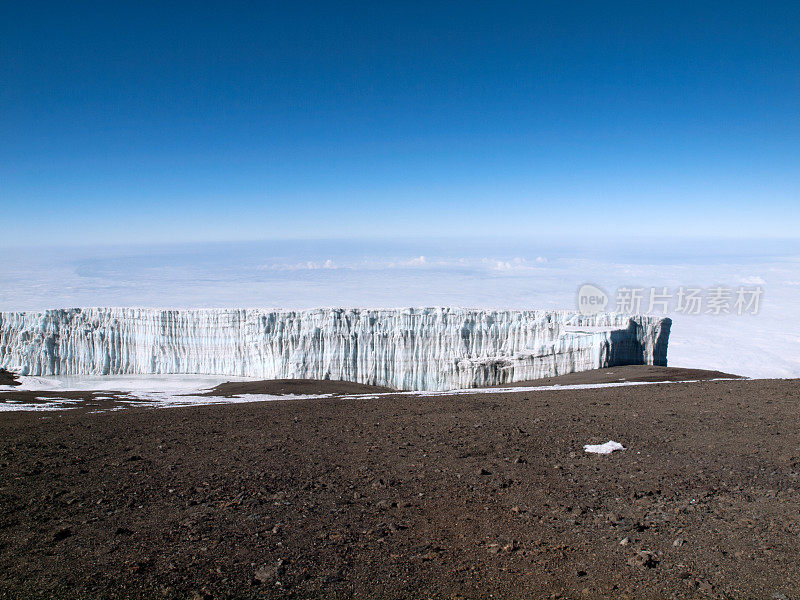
(679, 542)
(483, 471)
(644, 559)
(509, 547)
(333, 577)
(705, 587)
(62, 534)
(266, 574)
(625, 541)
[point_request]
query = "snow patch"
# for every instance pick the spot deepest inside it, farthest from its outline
(607, 448)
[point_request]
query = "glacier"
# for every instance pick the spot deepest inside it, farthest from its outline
(406, 349)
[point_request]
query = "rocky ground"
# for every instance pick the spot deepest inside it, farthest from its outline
(293, 386)
(397, 496)
(8, 378)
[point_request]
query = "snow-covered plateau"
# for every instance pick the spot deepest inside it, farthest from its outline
(406, 349)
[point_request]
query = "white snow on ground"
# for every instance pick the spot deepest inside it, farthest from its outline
(134, 384)
(606, 448)
(169, 391)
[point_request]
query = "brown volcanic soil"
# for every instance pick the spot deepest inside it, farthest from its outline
(403, 496)
(280, 387)
(631, 373)
(8, 378)
(105, 400)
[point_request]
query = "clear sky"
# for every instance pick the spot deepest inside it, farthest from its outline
(158, 122)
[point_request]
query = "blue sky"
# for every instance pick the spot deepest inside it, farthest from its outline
(142, 123)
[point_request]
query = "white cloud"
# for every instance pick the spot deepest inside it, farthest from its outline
(414, 262)
(754, 280)
(309, 265)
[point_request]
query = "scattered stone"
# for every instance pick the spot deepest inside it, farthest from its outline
(625, 541)
(141, 565)
(269, 573)
(679, 542)
(504, 546)
(644, 559)
(483, 471)
(705, 587)
(333, 577)
(265, 574)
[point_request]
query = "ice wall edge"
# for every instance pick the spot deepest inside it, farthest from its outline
(408, 349)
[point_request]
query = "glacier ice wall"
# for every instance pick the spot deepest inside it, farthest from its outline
(409, 349)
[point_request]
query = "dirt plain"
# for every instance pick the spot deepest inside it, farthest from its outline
(471, 495)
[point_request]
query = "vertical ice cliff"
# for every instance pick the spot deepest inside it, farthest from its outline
(422, 349)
